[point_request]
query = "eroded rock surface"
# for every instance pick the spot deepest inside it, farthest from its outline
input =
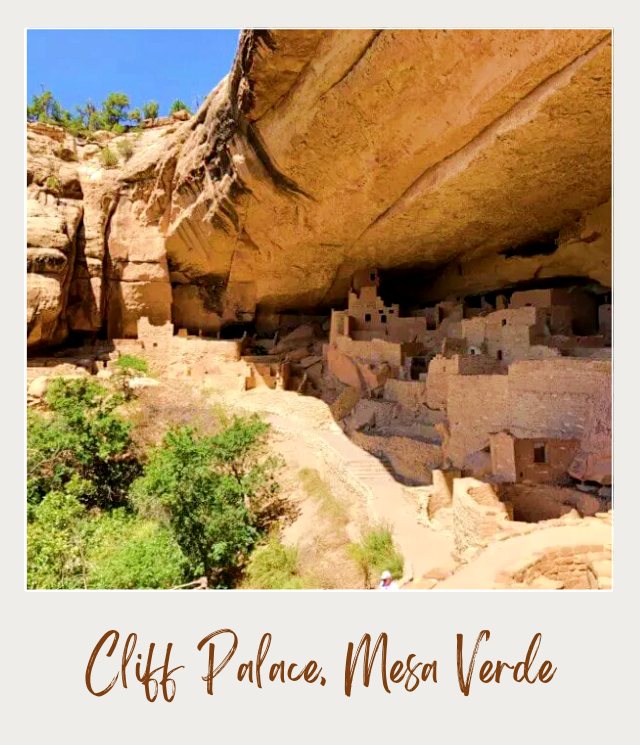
(324, 152)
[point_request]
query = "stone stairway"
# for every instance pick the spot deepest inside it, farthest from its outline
(388, 502)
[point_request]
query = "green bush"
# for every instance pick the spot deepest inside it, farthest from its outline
(150, 110)
(179, 105)
(56, 550)
(273, 566)
(131, 362)
(210, 490)
(69, 547)
(53, 184)
(127, 552)
(80, 437)
(374, 553)
(108, 158)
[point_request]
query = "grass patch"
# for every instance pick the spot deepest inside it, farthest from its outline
(53, 184)
(317, 489)
(132, 363)
(274, 566)
(125, 148)
(374, 553)
(108, 158)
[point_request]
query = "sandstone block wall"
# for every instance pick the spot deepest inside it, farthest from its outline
(503, 457)
(544, 399)
(553, 398)
(268, 371)
(478, 515)
(441, 494)
(376, 350)
(185, 354)
(476, 406)
(580, 307)
(559, 455)
(586, 567)
(408, 393)
(515, 459)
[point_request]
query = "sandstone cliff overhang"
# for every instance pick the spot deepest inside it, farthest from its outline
(324, 152)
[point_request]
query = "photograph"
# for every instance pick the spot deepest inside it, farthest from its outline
(318, 309)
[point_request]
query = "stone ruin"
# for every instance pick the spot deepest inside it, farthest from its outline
(488, 375)
(516, 392)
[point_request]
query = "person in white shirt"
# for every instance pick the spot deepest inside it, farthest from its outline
(387, 582)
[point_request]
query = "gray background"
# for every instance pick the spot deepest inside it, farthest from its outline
(47, 637)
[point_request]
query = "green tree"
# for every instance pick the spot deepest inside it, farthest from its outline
(114, 109)
(179, 105)
(56, 551)
(211, 491)
(45, 108)
(150, 110)
(80, 436)
(135, 117)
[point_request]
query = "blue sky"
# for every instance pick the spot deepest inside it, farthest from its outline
(158, 65)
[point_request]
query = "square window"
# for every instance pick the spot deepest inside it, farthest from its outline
(499, 354)
(383, 319)
(367, 316)
(504, 321)
(391, 312)
(372, 276)
(539, 453)
(381, 312)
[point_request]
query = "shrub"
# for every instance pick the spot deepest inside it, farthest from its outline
(82, 437)
(131, 362)
(69, 547)
(374, 553)
(210, 490)
(76, 127)
(108, 158)
(273, 566)
(127, 552)
(56, 556)
(53, 184)
(150, 110)
(125, 148)
(179, 105)
(319, 490)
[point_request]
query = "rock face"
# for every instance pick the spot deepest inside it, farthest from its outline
(324, 152)
(93, 265)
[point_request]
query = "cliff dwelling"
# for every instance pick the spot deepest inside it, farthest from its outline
(334, 235)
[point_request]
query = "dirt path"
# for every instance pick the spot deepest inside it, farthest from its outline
(309, 424)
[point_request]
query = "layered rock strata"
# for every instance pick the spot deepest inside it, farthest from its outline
(324, 152)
